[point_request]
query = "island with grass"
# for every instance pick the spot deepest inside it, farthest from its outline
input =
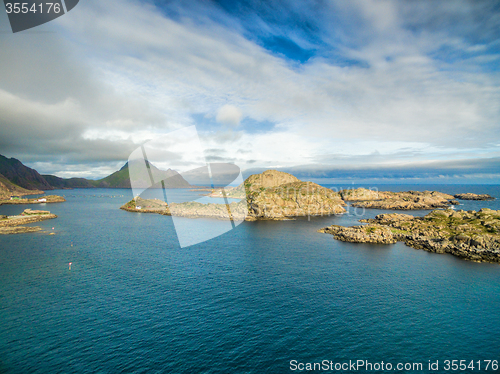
(471, 235)
(271, 195)
(16, 224)
(14, 200)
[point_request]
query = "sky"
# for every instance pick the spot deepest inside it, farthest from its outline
(330, 90)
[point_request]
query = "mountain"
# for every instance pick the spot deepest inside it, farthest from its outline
(7, 189)
(62, 183)
(15, 172)
(121, 179)
(21, 176)
(142, 177)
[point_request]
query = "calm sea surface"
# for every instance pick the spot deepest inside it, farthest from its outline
(249, 301)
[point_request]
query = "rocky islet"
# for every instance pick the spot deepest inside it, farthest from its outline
(471, 235)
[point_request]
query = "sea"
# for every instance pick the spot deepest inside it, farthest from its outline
(113, 292)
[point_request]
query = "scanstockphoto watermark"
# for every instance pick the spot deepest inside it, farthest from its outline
(446, 365)
(27, 14)
(354, 365)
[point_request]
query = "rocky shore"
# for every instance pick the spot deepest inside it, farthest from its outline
(295, 199)
(189, 209)
(473, 196)
(271, 195)
(470, 235)
(408, 200)
(14, 224)
(275, 195)
(6, 194)
(39, 200)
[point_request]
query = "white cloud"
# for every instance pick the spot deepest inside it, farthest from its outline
(137, 73)
(229, 115)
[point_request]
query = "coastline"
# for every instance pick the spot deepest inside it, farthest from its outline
(40, 200)
(15, 224)
(470, 235)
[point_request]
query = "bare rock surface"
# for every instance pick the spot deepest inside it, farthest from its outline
(272, 195)
(470, 235)
(362, 194)
(38, 200)
(408, 200)
(473, 196)
(14, 224)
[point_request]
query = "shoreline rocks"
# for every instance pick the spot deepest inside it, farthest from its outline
(408, 200)
(275, 195)
(295, 199)
(473, 196)
(14, 224)
(38, 200)
(272, 195)
(470, 235)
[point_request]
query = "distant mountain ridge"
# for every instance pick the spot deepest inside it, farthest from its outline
(17, 173)
(22, 178)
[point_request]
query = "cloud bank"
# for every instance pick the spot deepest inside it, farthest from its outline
(269, 84)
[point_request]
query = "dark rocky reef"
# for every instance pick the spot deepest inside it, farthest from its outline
(237, 211)
(291, 199)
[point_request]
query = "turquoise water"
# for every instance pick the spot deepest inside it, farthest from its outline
(249, 301)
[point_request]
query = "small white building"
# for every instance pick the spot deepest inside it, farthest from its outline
(43, 200)
(137, 207)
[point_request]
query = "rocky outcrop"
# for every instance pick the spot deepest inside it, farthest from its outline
(272, 195)
(362, 194)
(236, 211)
(233, 211)
(294, 199)
(361, 234)
(14, 224)
(269, 179)
(230, 192)
(39, 200)
(19, 230)
(31, 212)
(409, 200)
(473, 196)
(470, 235)
(140, 205)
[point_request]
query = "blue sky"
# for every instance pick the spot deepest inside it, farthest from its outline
(317, 87)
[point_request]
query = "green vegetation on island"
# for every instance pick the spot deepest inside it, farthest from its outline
(272, 195)
(15, 224)
(407, 200)
(470, 235)
(39, 200)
